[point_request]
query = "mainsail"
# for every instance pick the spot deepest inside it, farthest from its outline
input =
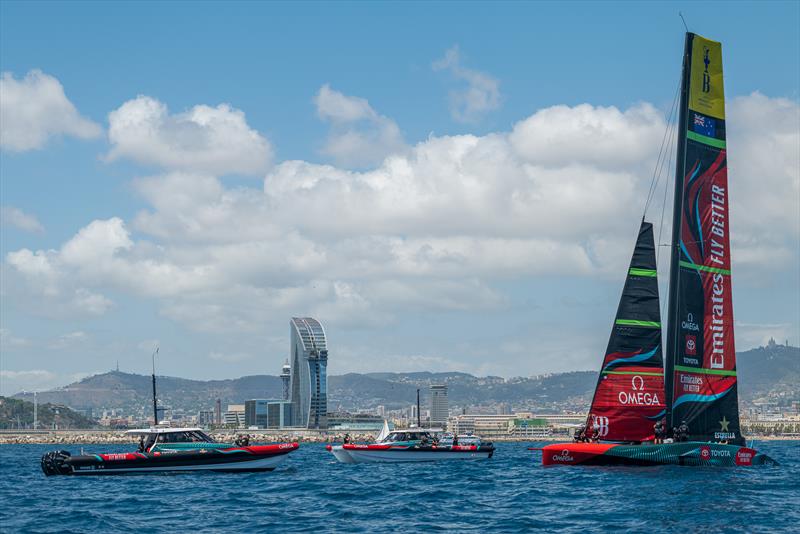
(629, 396)
(701, 358)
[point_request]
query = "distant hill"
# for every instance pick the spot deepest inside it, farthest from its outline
(16, 413)
(773, 370)
(765, 371)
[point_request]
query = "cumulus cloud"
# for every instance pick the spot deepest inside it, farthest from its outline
(359, 136)
(216, 140)
(764, 178)
(35, 108)
(438, 227)
(481, 94)
(17, 218)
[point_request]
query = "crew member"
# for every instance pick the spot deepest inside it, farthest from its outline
(658, 431)
(683, 432)
(580, 433)
(141, 443)
(595, 430)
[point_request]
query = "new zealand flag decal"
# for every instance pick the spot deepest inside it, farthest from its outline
(704, 125)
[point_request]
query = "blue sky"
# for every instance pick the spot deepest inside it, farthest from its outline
(391, 89)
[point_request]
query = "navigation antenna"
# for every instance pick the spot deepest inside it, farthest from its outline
(155, 403)
(684, 21)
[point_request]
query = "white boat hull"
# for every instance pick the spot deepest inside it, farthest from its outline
(357, 456)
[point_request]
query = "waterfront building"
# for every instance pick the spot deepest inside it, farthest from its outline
(440, 408)
(234, 417)
(358, 422)
(267, 413)
(205, 417)
(308, 381)
(520, 424)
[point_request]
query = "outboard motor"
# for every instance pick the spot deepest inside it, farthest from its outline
(54, 463)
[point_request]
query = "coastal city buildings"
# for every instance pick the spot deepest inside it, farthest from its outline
(234, 416)
(440, 408)
(309, 369)
(264, 413)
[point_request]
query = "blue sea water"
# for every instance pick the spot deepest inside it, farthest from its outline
(511, 492)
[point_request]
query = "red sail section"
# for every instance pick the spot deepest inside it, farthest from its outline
(704, 392)
(629, 397)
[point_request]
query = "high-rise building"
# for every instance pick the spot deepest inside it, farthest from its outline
(218, 412)
(286, 375)
(440, 408)
(309, 381)
(264, 413)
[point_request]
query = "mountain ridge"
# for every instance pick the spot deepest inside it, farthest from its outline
(763, 371)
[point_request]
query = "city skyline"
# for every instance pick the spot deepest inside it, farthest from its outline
(466, 201)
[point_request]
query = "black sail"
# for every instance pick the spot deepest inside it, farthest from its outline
(629, 396)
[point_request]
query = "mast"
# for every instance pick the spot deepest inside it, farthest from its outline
(674, 266)
(418, 416)
(155, 403)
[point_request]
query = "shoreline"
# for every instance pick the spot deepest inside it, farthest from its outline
(117, 437)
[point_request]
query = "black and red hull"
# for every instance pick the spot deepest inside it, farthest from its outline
(227, 459)
(691, 453)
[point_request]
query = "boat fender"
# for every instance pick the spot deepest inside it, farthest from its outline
(54, 463)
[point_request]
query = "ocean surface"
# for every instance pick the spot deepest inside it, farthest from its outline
(511, 492)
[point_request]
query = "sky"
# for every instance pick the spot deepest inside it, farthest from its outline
(445, 186)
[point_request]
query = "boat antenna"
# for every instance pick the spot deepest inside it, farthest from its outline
(684, 21)
(418, 418)
(155, 403)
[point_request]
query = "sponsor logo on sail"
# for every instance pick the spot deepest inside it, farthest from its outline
(602, 425)
(690, 383)
(706, 76)
(690, 324)
(691, 345)
(638, 396)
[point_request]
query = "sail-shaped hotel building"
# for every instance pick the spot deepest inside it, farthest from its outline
(309, 383)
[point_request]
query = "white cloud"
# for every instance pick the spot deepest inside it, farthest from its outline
(12, 382)
(359, 136)
(34, 109)
(229, 357)
(481, 94)
(439, 227)
(217, 140)
(764, 179)
(19, 219)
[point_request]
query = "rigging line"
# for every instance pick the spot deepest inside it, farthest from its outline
(661, 154)
(661, 227)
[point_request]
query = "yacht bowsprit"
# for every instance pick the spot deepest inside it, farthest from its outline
(170, 450)
(693, 393)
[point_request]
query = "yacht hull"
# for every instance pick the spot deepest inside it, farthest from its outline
(229, 459)
(356, 453)
(689, 453)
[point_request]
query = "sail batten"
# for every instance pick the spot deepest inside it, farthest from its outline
(629, 395)
(701, 382)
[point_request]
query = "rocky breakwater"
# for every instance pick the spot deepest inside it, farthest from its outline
(100, 437)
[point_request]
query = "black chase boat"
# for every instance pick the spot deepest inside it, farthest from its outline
(693, 390)
(169, 450)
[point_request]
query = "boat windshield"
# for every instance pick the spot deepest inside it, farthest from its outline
(191, 436)
(407, 436)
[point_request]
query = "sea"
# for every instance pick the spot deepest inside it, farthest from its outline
(311, 492)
